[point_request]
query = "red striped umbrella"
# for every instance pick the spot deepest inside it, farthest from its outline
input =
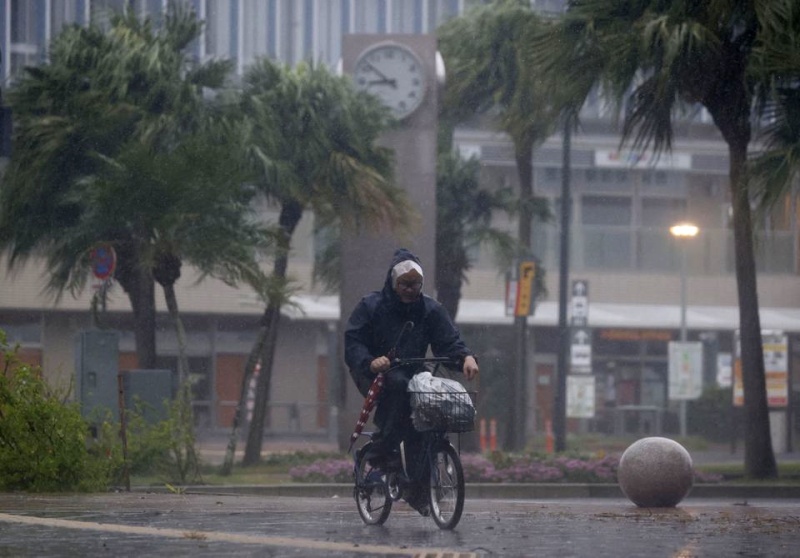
(369, 404)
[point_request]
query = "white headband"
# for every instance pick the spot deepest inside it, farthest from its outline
(404, 267)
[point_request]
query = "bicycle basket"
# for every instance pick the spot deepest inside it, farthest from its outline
(445, 412)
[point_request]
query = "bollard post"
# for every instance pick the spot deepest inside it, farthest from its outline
(493, 435)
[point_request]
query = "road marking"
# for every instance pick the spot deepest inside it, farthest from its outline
(216, 536)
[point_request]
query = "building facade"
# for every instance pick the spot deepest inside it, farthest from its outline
(622, 206)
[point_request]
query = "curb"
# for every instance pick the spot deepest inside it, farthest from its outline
(509, 491)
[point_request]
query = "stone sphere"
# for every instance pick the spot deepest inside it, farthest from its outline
(655, 473)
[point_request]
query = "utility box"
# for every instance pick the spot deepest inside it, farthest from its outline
(147, 392)
(96, 370)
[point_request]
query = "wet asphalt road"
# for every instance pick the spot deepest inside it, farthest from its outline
(132, 524)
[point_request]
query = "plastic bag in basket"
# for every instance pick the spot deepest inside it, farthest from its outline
(440, 404)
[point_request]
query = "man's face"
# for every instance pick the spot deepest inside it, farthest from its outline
(409, 286)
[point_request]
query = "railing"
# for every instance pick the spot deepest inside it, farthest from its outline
(289, 418)
(651, 249)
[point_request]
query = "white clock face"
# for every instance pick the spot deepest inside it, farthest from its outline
(393, 74)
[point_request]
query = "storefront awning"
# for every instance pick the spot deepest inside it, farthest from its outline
(637, 316)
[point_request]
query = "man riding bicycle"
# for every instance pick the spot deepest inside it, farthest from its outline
(400, 321)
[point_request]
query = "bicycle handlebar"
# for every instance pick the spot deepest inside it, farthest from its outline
(399, 362)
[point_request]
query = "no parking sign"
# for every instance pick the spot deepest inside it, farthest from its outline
(103, 259)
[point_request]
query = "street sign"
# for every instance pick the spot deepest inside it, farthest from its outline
(580, 302)
(520, 285)
(580, 396)
(685, 370)
(775, 346)
(103, 260)
(581, 350)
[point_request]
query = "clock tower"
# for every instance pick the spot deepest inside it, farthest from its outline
(401, 71)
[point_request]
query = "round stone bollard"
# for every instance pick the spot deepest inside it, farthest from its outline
(655, 473)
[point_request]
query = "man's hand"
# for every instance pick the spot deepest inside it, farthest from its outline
(470, 367)
(380, 364)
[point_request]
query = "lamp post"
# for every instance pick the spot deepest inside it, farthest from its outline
(683, 231)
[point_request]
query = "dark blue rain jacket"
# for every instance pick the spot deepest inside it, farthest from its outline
(375, 327)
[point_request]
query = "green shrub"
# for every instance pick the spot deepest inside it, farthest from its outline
(43, 439)
(711, 415)
(166, 449)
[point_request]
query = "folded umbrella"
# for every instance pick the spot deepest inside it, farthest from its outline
(369, 404)
(375, 389)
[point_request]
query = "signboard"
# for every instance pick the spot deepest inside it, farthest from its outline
(580, 396)
(606, 158)
(580, 303)
(520, 289)
(776, 369)
(103, 260)
(685, 370)
(724, 370)
(581, 350)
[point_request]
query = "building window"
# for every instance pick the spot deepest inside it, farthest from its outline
(657, 249)
(606, 231)
(27, 33)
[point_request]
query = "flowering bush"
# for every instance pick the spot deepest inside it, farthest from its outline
(499, 468)
(328, 470)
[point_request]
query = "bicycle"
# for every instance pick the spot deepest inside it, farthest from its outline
(381, 479)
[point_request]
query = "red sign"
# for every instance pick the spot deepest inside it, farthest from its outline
(103, 260)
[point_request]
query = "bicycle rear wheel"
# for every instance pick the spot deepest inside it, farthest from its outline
(446, 487)
(371, 492)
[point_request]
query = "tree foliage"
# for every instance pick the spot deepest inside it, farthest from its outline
(312, 146)
(43, 440)
(464, 224)
(116, 142)
(656, 60)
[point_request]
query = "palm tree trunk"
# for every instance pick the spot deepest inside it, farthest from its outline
(180, 333)
(140, 287)
(291, 212)
(759, 458)
(448, 284)
(517, 419)
(249, 368)
(255, 434)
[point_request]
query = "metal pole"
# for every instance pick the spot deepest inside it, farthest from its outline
(683, 327)
(560, 402)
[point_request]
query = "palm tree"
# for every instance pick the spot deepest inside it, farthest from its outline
(105, 100)
(312, 146)
(655, 58)
(489, 73)
(463, 223)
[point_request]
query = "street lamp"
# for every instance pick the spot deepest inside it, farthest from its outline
(683, 231)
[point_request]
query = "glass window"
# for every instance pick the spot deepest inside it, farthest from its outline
(662, 212)
(657, 249)
(606, 210)
(366, 16)
(606, 231)
(27, 34)
(219, 29)
(64, 13)
(403, 18)
(22, 330)
(256, 30)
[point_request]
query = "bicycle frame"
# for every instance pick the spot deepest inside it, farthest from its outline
(381, 480)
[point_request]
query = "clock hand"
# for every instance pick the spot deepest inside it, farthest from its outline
(377, 71)
(384, 81)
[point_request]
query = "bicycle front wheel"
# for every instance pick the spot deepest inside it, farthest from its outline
(447, 487)
(372, 493)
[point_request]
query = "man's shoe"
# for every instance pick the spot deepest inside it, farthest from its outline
(417, 498)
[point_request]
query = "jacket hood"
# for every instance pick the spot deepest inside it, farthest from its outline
(400, 255)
